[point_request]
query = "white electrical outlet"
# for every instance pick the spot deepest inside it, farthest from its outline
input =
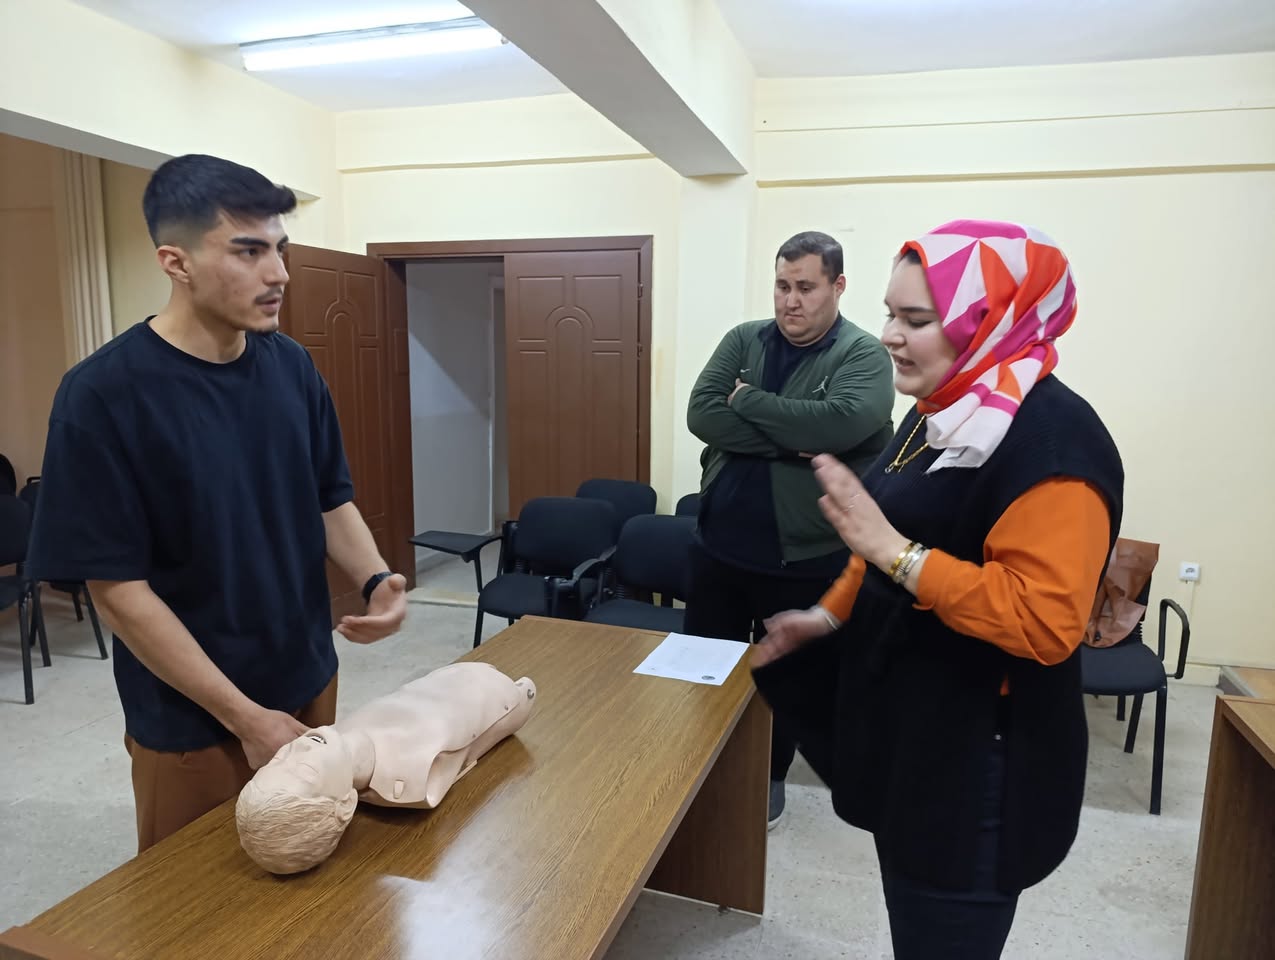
(1189, 572)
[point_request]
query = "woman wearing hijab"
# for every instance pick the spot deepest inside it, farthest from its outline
(936, 687)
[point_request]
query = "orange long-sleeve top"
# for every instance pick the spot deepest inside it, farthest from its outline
(1033, 593)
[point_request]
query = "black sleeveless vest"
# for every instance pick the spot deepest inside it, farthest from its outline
(896, 712)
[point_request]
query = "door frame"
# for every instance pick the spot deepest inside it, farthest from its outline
(396, 257)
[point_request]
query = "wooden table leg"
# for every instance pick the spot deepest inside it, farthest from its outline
(1233, 903)
(718, 854)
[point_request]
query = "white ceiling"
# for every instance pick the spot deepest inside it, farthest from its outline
(215, 29)
(783, 38)
(832, 38)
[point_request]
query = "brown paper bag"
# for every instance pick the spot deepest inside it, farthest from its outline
(1116, 610)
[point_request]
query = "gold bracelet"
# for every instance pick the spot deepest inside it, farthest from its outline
(908, 561)
(898, 561)
(908, 564)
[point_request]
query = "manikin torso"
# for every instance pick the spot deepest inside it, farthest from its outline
(409, 746)
(404, 749)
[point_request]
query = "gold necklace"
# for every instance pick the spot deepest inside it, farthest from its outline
(899, 463)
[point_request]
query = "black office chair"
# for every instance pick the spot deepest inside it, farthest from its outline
(76, 589)
(8, 478)
(539, 556)
(652, 557)
(17, 588)
(688, 506)
(1131, 669)
(628, 497)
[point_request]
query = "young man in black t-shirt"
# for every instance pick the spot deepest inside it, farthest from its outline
(194, 476)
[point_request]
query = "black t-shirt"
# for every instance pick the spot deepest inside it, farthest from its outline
(209, 481)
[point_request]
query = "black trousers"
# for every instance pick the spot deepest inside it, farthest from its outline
(730, 603)
(928, 922)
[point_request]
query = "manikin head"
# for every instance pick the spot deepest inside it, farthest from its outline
(291, 815)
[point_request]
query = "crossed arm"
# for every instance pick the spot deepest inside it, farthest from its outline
(852, 405)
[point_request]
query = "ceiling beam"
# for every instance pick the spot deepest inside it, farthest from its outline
(583, 45)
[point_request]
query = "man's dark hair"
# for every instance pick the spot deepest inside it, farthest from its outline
(820, 244)
(910, 255)
(187, 194)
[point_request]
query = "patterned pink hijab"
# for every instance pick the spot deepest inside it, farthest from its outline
(1004, 293)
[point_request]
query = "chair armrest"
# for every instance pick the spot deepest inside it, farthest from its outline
(463, 545)
(558, 587)
(508, 558)
(589, 566)
(1184, 637)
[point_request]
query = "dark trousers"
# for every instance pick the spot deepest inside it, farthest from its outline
(726, 602)
(928, 922)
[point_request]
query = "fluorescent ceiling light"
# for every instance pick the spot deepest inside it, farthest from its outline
(380, 43)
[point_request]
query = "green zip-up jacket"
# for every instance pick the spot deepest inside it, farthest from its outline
(838, 400)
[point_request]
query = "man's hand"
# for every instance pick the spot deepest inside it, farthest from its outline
(386, 611)
(265, 733)
(739, 385)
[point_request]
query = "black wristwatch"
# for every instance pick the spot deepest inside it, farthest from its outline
(372, 582)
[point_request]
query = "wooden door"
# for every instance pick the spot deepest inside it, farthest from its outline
(335, 308)
(573, 350)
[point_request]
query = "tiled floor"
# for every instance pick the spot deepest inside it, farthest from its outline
(1123, 894)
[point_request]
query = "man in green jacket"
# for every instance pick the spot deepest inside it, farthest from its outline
(775, 393)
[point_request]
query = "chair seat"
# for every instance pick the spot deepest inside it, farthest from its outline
(1128, 668)
(639, 615)
(523, 595)
(514, 595)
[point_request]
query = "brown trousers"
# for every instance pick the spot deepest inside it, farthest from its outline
(171, 790)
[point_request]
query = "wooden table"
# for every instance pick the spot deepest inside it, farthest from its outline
(617, 781)
(1233, 903)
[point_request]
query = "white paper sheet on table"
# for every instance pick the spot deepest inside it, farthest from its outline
(694, 659)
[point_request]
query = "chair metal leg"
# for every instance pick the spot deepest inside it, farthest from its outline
(24, 638)
(79, 613)
(1120, 708)
(478, 628)
(97, 627)
(1133, 724)
(478, 570)
(1157, 756)
(37, 625)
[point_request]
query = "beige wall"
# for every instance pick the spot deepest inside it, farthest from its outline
(153, 97)
(138, 287)
(33, 349)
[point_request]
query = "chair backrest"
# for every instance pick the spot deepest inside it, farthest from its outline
(654, 555)
(688, 506)
(628, 497)
(557, 534)
(15, 529)
(1144, 598)
(30, 492)
(8, 477)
